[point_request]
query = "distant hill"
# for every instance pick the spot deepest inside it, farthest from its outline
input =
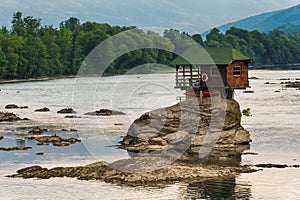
(191, 16)
(287, 20)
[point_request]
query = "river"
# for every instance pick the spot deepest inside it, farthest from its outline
(274, 128)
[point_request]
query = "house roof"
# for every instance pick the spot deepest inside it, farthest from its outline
(218, 56)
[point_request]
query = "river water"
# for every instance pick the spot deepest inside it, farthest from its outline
(274, 128)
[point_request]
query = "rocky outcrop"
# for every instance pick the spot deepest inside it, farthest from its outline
(7, 116)
(191, 132)
(45, 109)
(289, 84)
(55, 140)
(105, 112)
(109, 172)
(187, 142)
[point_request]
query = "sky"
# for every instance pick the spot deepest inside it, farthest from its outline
(184, 15)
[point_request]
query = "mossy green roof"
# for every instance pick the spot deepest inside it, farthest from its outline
(218, 56)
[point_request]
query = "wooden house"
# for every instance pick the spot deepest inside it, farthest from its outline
(217, 70)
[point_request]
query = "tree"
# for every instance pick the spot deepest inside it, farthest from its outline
(31, 24)
(198, 39)
(71, 24)
(18, 25)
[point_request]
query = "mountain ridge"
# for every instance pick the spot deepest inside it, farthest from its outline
(190, 16)
(269, 21)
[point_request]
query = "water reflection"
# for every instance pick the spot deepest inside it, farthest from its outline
(218, 156)
(217, 189)
(20, 142)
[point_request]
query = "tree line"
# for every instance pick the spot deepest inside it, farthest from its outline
(29, 49)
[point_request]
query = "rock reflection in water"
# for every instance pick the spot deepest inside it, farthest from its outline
(217, 189)
(21, 142)
(218, 156)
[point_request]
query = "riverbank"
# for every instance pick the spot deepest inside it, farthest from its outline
(130, 72)
(151, 71)
(295, 66)
(35, 79)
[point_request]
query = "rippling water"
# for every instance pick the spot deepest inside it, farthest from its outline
(274, 129)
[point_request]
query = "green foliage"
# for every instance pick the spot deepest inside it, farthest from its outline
(31, 50)
(273, 48)
(247, 112)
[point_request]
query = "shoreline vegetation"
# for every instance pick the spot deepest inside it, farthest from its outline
(45, 78)
(29, 50)
(257, 67)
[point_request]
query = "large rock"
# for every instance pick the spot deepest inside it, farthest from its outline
(190, 127)
(134, 172)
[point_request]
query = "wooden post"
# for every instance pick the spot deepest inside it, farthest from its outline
(201, 96)
(183, 74)
(191, 75)
(177, 70)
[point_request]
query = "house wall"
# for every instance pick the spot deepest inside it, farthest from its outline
(219, 80)
(237, 82)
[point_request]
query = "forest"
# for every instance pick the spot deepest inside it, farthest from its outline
(30, 50)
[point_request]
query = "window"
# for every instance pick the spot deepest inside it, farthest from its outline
(237, 71)
(214, 71)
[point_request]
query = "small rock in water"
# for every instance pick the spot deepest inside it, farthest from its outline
(1, 137)
(19, 148)
(36, 131)
(60, 144)
(72, 116)
(118, 124)
(55, 140)
(105, 112)
(66, 111)
(45, 109)
(272, 165)
(14, 106)
(248, 91)
(11, 106)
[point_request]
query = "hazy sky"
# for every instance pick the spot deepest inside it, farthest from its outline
(185, 15)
